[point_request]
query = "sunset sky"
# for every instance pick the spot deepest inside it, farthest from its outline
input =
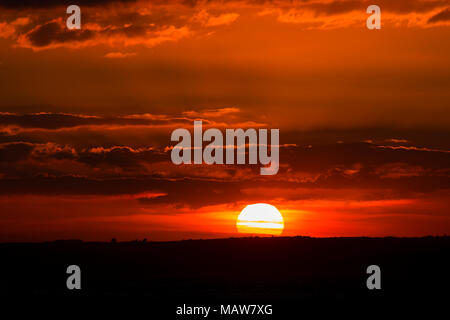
(86, 117)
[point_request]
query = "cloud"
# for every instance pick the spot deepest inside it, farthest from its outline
(119, 55)
(14, 123)
(198, 193)
(64, 153)
(9, 29)
(222, 19)
(122, 23)
(211, 113)
(399, 170)
(329, 14)
(207, 19)
(413, 148)
(394, 140)
(54, 34)
(6, 30)
(38, 4)
(442, 16)
(333, 7)
(15, 151)
(378, 173)
(54, 121)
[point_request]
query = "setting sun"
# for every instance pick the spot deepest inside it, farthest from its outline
(260, 218)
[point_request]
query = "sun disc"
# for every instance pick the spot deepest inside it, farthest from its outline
(260, 218)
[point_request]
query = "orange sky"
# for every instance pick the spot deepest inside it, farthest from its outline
(86, 117)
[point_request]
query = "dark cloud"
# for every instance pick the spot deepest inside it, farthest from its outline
(444, 15)
(344, 6)
(74, 185)
(157, 16)
(376, 176)
(331, 8)
(392, 165)
(199, 193)
(22, 159)
(108, 27)
(319, 158)
(16, 151)
(53, 32)
(47, 120)
(406, 6)
(161, 21)
(122, 157)
(36, 4)
(193, 193)
(61, 120)
(323, 7)
(335, 7)
(301, 164)
(402, 6)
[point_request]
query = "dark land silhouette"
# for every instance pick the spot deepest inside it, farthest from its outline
(289, 273)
